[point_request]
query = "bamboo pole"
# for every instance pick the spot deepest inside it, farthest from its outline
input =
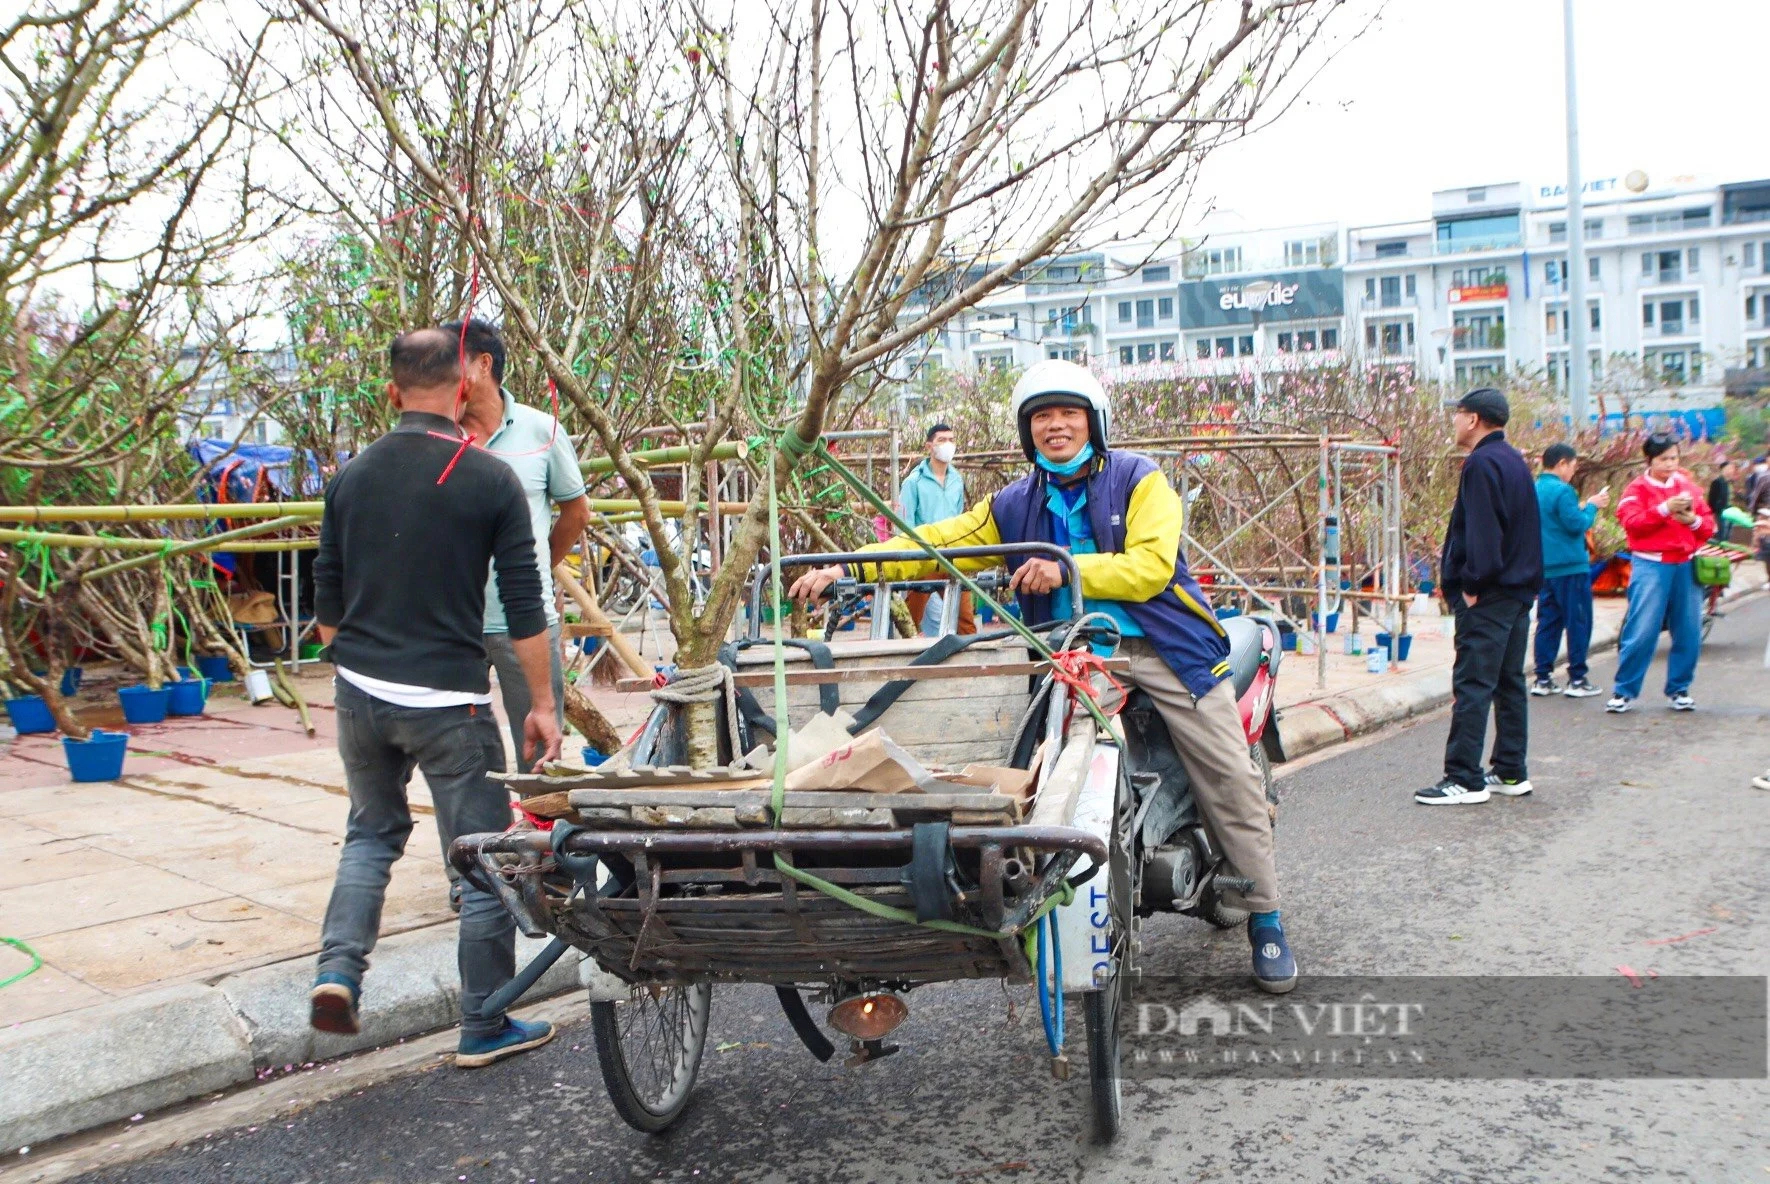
(593, 615)
(307, 512)
(93, 542)
(208, 543)
(674, 455)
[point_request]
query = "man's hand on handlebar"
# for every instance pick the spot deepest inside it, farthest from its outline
(814, 583)
(1036, 577)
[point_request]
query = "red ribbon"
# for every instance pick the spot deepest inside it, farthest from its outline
(1076, 668)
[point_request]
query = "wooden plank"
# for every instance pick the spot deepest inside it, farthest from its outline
(884, 674)
(583, 799)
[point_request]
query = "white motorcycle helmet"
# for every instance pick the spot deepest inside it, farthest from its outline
(1056, 383)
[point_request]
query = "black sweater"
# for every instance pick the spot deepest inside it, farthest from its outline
(1494, 544)
(401, 571)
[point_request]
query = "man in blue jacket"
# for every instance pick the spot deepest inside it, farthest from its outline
(1490, 571)
(1565, 603)
(1117, 515)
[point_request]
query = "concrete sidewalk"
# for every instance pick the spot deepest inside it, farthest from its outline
(177, 910)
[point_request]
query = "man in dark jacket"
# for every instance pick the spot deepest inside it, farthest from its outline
(1491, 570)
(411, 527)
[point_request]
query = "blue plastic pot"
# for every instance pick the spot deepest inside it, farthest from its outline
(1398, 647)
(187, 697)
(143, 705)
(185, 673)
(593, 757)
(215, 668)
(97, 759)
(1333, 621)
(30, 714)
(70, 680)
(1227, 611)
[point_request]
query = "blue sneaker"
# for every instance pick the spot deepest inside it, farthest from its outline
(1274, 967)
(333, 1004)
(475, 1052)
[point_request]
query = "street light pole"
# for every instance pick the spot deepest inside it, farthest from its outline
(1578, 368)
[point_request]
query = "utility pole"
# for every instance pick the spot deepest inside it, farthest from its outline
(1579, 368)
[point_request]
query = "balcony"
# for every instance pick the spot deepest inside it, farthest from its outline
(1664, 275)
(1052, 329)
(1504, 242)
(1677, 327)
(1380, 302)
(1477, 338)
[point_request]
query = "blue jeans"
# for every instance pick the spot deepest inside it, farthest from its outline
(1565, 603)
(1661, 595)
(455, 746)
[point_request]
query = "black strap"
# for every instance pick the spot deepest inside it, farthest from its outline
(942, 649)
(931, 856)
(797, 1015)
(829, 693)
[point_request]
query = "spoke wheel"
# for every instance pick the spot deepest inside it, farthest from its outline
(649, 1047)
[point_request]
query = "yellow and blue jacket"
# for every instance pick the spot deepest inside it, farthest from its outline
(1135, 515)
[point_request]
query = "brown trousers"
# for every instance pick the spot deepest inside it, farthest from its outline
(1209, 739)
(917, 603)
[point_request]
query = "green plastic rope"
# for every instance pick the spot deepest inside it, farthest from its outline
(33, 968)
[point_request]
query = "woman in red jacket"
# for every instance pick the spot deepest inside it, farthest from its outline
(1666, 519)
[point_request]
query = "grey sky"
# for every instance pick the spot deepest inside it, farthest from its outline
(1458, 92)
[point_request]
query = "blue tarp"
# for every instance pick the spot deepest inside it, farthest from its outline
(242, 464)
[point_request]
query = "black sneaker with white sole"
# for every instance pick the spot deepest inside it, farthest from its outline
(1543, 686)
(1683, 702)
(1619, 704)
(1581, 689)
(1451, 793)
(1509, 787)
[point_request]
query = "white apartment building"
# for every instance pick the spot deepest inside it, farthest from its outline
(1678, 291)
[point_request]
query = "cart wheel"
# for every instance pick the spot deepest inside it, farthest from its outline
(650, 1049)
(1102, 1009)
(1263, 766)
(1708, 623)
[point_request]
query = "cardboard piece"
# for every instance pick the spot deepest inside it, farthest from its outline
(1013, 783)
(870, 763)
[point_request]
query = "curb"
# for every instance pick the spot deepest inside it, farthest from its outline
(1316, 724)
(170, 1045)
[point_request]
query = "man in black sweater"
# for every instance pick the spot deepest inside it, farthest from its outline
(1491, 570)
(411, 527)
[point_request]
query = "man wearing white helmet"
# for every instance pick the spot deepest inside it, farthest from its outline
(1117, 514)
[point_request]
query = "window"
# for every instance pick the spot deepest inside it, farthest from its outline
(1245, 346)
(1751, 307)
(1695, 311)
(1302, 252)
(1486, 233)
(1592, 267)
(1370, 288)
(1555, 271)
(1221, 260)
(1647, 315)
(1552, 324)
(1164, 308)
(1156, 275)
(1127, 355)
(1145, 314)
(1124, 312)
(1748, 254)
(1167, 351)
(1479, 330)
(1146, 353)
(1408, 284)
(1330, 338)
(1284, 342)
(1391, 289)
(1693, 260)
(1595, 318)
(1066, 353)
(1691, 219)
(1393, 249)
(1370, 336)
(1646, 263)
(1225, 347)
(1203, 347)
(1558, 230)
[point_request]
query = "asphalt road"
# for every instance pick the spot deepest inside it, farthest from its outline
(1643, 827)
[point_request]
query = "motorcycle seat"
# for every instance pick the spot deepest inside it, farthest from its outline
(1244, 651)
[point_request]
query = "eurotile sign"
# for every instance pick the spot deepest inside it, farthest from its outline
(1280, 296)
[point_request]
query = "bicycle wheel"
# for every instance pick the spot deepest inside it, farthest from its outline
(649, 1048)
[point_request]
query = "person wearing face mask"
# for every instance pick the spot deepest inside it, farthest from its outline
(933, 492)
(1117, 515)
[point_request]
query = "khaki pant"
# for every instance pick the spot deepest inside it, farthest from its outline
(1209, 739)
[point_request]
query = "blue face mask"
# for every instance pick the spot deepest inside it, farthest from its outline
(1068, 468)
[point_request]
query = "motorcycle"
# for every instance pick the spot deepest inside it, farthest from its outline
(1185, 871)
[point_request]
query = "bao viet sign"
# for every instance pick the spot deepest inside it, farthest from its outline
(1281, 296)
